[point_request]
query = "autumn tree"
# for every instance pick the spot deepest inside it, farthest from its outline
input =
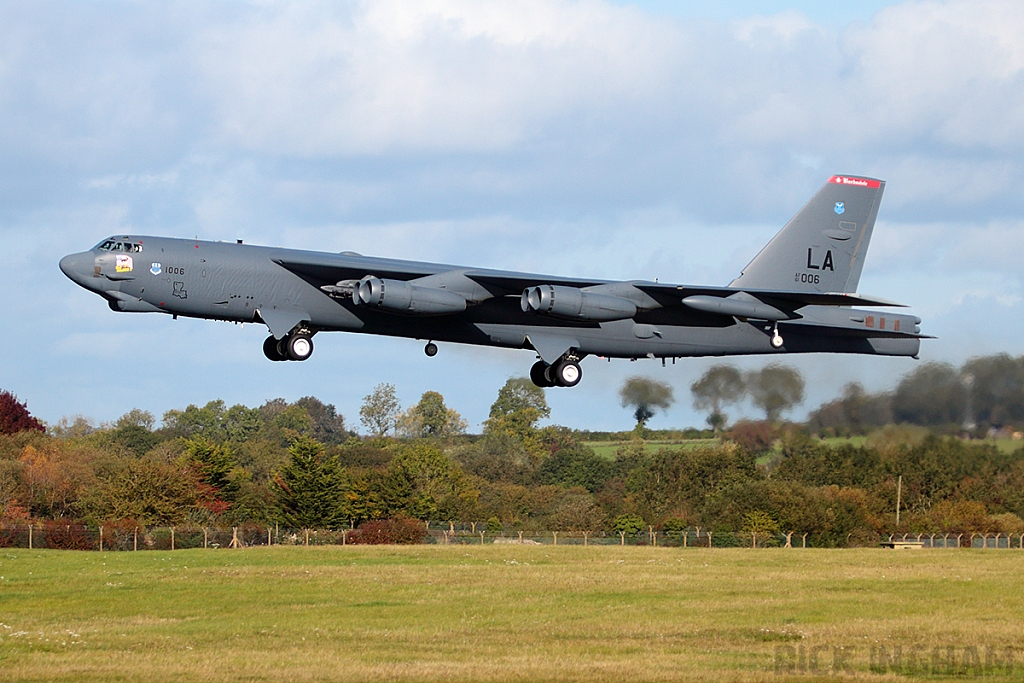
(996, 389)
(719, 386)
(775, 389)
(426, 484)
(759, 522)
(645, 396)
(214, 465)
(14, 416)
(431, 418)
(328, 427)
(932, 394)
(577, 512)
(311, 487)
(151, 492)
(517, 410)
(380, 410)
(195, 420)
(134, 432)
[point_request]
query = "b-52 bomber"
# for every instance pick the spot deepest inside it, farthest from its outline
(796, 296)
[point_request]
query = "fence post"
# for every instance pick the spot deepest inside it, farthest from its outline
(520, 536)
(585, 534)
(172, 538)
(654, 538)
(686, 535)
(556, 537)
(135, 540)
(709, 539)
(344, 534)
(307, 537)
(482, 532)
(235, 543)
(206, 538)
(958, 537)
(789, 537)
(804, 541)
(270, 544)
(30, 536)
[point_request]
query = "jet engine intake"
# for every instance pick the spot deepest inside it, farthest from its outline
(575, 304)
(399, 296)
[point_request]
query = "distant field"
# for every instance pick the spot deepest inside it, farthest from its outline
(508, 613)
(1004, 445)
(608, 449)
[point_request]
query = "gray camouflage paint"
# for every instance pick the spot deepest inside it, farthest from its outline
(803, 279)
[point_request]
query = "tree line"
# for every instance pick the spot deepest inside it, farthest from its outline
(300, 465)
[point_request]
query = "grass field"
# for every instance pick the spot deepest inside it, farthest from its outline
(506, 613)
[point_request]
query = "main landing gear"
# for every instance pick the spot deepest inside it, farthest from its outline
(776, 340)
(295, 346)
(564, 373)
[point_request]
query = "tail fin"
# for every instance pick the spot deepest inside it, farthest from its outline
(822, 247)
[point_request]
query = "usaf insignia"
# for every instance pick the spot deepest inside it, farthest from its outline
(155, 268)
(840, 207)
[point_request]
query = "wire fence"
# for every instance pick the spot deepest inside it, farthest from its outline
(122, 537)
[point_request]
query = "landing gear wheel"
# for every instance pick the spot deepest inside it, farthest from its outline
(776, 340)
(430, 349)
(567, 373)
(271, 351)
(539, 375)
(299, 347)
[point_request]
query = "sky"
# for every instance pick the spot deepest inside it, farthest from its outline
(632, 140)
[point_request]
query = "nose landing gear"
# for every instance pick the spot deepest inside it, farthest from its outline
(776, 340)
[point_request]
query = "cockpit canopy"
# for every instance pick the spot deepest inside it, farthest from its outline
(123, 244)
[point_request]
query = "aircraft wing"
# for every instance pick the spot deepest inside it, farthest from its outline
(725, 300)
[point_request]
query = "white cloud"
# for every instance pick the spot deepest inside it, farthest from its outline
(545, 135)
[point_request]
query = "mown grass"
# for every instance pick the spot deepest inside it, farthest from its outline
(496, 613)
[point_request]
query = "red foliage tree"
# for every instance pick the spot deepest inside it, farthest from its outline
(14, 416)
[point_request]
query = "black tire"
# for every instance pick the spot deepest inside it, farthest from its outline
(299, 347)
(567, 373)
(271, 351)
(538, 376)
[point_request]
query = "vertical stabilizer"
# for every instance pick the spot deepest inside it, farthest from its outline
(822, 248)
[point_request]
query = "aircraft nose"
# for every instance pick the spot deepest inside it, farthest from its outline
(78, 267)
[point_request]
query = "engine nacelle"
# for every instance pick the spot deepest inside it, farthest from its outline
(575, 304)
(399, 296)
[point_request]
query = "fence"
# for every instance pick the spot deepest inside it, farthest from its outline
(55, 535)
(965, 540)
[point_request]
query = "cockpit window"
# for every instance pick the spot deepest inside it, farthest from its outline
(112, 245)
